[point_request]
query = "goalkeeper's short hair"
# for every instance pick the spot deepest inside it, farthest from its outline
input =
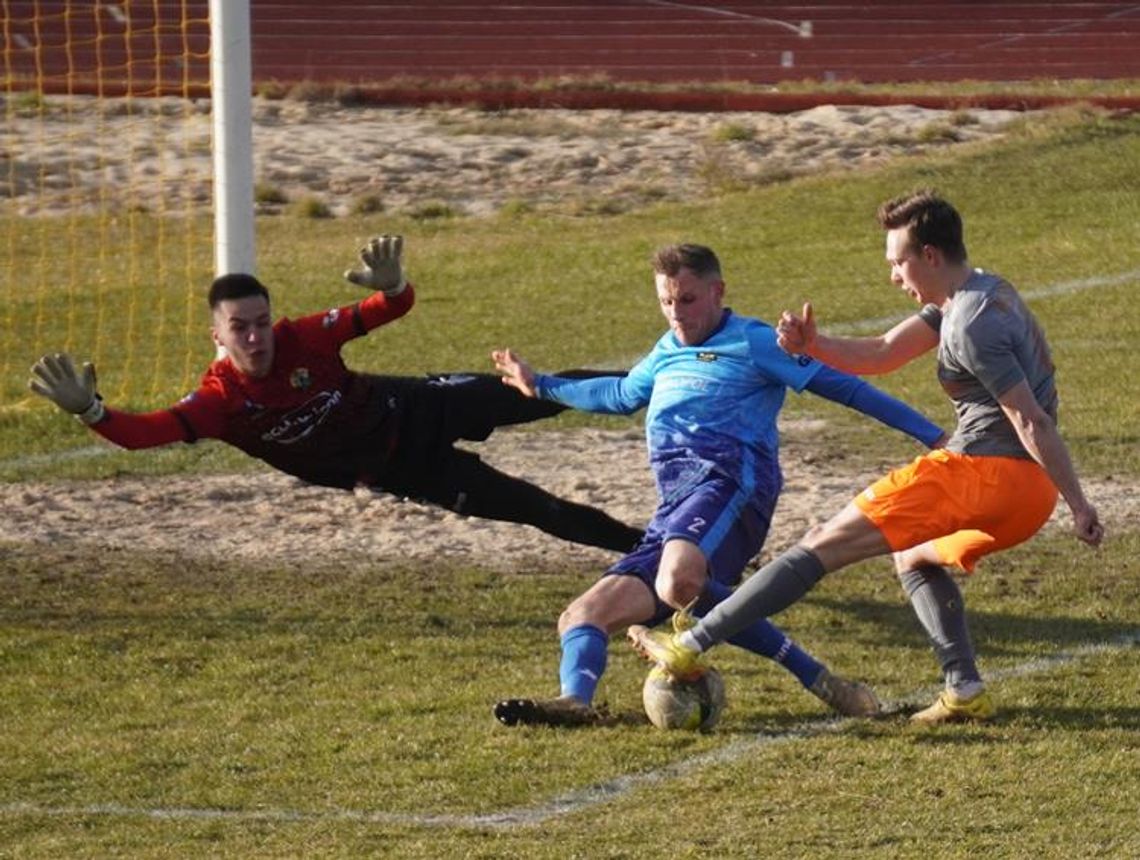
(236, 286)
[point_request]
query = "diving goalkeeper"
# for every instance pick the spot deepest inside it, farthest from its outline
(283, 394)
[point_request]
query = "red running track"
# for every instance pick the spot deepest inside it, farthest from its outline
(435, 43)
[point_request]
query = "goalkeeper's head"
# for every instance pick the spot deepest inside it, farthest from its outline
(231, 287)
(242, 325)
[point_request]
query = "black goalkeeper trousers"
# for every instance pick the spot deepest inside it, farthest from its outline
(426, 466)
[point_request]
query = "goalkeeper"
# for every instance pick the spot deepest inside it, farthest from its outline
(283, 394)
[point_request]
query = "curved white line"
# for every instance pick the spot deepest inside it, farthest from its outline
(855, 327)
(564, 804)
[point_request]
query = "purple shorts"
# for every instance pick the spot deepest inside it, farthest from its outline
(725, 523)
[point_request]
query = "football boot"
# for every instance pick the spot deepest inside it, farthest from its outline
(665, 650)
(563, 711)
(850, 698)
(949, 708)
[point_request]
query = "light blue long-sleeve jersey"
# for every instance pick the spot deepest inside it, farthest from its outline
(710, 407)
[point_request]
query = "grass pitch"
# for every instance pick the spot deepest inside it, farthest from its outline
(168, 706)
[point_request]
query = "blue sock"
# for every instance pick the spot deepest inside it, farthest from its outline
(764, 638)
(583, 661)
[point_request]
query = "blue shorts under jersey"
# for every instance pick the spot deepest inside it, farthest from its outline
(726, 524)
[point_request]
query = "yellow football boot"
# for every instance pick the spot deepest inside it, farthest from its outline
(949, 708)
(662, 648)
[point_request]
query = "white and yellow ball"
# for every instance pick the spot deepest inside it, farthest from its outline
(692, 705)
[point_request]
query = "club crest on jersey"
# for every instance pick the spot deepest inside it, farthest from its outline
(706, 356)
(330, 318)
(300, 378)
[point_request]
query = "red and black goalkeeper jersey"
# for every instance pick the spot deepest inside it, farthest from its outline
(310, 416)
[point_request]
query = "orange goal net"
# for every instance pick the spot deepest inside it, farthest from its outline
(105, 192)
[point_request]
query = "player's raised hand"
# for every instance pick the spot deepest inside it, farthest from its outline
(796, 334)
(54, 376)
(515, 372)
(380, 267)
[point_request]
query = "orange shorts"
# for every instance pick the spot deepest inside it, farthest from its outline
(969, 506)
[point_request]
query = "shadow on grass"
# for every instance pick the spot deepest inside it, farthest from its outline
(1078, 719)
(1009, 717)
(996, 634)
(1012, 718)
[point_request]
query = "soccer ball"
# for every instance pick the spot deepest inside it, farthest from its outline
(692, 705)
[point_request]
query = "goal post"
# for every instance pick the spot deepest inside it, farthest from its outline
(231, 90)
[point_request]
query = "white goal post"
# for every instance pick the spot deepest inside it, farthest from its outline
(231, 92)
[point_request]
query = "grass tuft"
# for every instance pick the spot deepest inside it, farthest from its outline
(310, 206)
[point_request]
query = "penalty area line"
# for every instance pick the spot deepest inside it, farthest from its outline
(569, 803)
(1062, 288)
(854, 327)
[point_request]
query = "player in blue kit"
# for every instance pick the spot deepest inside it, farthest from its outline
(713, 384)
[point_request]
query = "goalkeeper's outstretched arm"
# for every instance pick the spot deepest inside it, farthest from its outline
(56, 378)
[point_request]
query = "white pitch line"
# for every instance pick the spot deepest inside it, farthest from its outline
(1060, 289)
(58, 457)
(569, 803)
(1064, 288)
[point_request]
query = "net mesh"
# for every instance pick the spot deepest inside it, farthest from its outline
(106, 179)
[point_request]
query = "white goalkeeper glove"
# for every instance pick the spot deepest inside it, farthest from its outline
(380, 266)
(55, 377)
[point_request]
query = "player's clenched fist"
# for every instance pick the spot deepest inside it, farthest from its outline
(796, 334)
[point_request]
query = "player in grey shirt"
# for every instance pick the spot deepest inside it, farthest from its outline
(988, 342)
(992, 486)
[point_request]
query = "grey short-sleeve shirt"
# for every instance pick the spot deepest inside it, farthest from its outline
(988, 342)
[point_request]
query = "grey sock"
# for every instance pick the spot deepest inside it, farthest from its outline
(774, 587)
(940, 608)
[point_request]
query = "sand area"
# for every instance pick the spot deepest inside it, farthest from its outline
(473, 162)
